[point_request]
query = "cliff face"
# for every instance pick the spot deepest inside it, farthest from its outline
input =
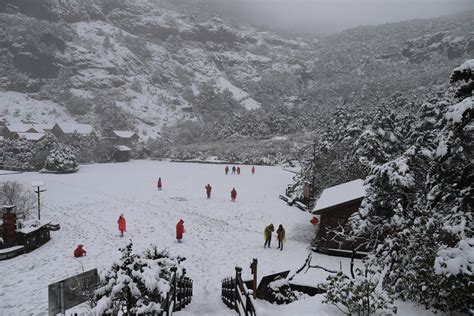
(160, 66)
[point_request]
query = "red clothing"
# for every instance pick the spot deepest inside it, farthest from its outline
(226, 170)
(79, 251)
(233, 194)
(253, 170)
(159, 184)
(180, 230)
(238, 170)
(122, 224)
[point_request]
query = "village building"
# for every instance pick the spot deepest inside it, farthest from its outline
(11, 130)
(334, 207)
(121, 153)
(60, 130)
(32, 137)
(124, 137)
(43, 128)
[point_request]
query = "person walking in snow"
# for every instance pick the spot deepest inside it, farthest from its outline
(122, 224)
(158, 184)
(238, 170)
(80, 251)
(180, 230)
(233, 195)
(267, 233)
(226, 170)
(233, 169)
(208, 190)
(280, 236)
(253, 169)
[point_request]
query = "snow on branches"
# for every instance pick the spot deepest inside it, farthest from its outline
(136, 283)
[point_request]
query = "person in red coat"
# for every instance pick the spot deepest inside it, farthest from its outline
(226, 170)
(122, 224)
(158, 185)
(253, 169)
(233, 195)
(180, 230)
(238, 170)
(208, 190)
(80, 251)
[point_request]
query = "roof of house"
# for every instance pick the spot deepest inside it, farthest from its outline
(31, 136)
(340, 194)
(122, 148)
(19, 127)
(70, 128)
(43, 127)
(124, 134)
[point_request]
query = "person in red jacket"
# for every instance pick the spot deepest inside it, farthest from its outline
(79, 251)
(122, 224)
(180, 230)
(226, 170)
(238, 170)
(253, 169)
(208, 190)
(158, 185)
(233, 195)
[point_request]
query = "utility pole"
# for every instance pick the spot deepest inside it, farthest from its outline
(38, 190)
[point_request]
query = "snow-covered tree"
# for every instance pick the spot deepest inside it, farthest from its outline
(419, 211)
(61, 159)
(362, 295)
(136, 284)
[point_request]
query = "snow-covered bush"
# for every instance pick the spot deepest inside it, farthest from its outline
(279, 292)
(61, 159)
(136, 283)
(361, 296)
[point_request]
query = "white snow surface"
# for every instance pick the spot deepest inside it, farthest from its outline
(219, 234)
(124, 134)
(340, 193)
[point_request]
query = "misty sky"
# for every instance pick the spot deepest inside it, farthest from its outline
(326, 16)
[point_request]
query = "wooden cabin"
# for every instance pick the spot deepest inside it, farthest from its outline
(60, 130)
(334, 207)
(126, 138)
(121, 153)
(11, 130)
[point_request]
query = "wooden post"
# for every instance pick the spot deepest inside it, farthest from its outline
(173, 270)
(253, 268)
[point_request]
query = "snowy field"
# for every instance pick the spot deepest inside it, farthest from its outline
(219, 234)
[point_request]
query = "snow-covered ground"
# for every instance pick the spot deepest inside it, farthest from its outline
(219, 234)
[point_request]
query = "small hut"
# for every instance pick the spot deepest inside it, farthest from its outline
(126, 138)
(121, 153)
(334, 207)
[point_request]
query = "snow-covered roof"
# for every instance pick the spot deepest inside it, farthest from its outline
(341, 193)
(70, 128)
(19, 127)
(43, 127)
(124, 134)
(31, 136)
(122, 148)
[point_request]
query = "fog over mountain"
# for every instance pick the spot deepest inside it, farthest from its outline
(325, 16)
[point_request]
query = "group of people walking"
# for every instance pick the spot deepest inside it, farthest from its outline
(236, 170)
(268, 236)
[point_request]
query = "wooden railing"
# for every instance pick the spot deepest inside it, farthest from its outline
(235, 294)
(181, 291)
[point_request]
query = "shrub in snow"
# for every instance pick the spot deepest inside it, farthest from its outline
(61, 159)
(136, 283)
(361, 296)
(279, 292)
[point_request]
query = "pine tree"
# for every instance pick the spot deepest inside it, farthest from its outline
(135, 284)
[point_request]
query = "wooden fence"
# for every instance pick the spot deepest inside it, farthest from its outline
(181, 291)
(235, 294)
